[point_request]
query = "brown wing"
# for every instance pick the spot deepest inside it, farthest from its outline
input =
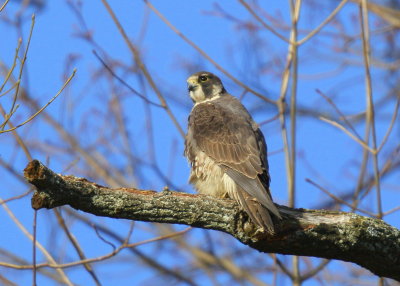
(230, 139)
(226, 138)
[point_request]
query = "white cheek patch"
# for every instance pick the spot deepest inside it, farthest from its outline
(216, 91)
(197, 95)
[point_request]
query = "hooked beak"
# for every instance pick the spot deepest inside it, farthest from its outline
(192, 84)
(191, 87)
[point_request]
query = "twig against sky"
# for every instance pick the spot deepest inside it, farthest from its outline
(205, 55)
(124, 83)
(41, 109)
(38, 244)
(143, 68)
(370, 115)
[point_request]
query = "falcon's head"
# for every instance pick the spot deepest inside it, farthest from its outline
(204, 86)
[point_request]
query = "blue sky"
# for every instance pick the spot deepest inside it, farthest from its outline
(325, 154)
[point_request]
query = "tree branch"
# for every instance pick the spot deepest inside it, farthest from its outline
(368, 242)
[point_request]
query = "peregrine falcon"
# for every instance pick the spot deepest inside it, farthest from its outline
(227, 150)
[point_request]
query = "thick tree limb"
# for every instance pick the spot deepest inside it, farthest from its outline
(371, 243)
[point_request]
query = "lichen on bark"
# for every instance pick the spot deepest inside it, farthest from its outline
(371, 243)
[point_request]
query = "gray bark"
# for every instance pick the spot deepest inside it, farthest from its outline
(368, 242)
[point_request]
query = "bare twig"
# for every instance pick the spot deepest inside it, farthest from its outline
(124, 82)
(324, 23)
(43, 108)
(370, 105)
(265, 25)
(355, 138)
(39, 245)
(205, 55)
(342, 116)
(391, 124)
(4, 5)
(78, 249)
(34, 272)
(337, 199)
(23, 60)
(143, 68)
(96, 259)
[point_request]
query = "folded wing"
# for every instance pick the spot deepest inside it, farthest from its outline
(234, 142)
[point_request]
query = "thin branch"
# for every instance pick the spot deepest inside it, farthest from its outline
(324, 23)
(392, 210)
(295, 6)
(14, 64)
(142, 67)
(18, 138)
(23, 60)
(370, 104)
(77, 247)
(16, 197)
(43, 108)
(392, 122)
(337, 199)
(48, 256)
(34, 272)
(148, 260)
(342, 116)
(4, 5)
(341, 127)
(96, 259)
(265, 25)
(109, 69)
(205, 55)
(314, 271)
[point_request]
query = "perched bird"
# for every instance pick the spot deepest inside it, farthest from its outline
(227, 150)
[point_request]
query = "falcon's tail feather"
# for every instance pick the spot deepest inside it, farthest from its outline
(253, 189)
(257, 212)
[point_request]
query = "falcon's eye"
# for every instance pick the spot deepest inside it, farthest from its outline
(203, 78)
